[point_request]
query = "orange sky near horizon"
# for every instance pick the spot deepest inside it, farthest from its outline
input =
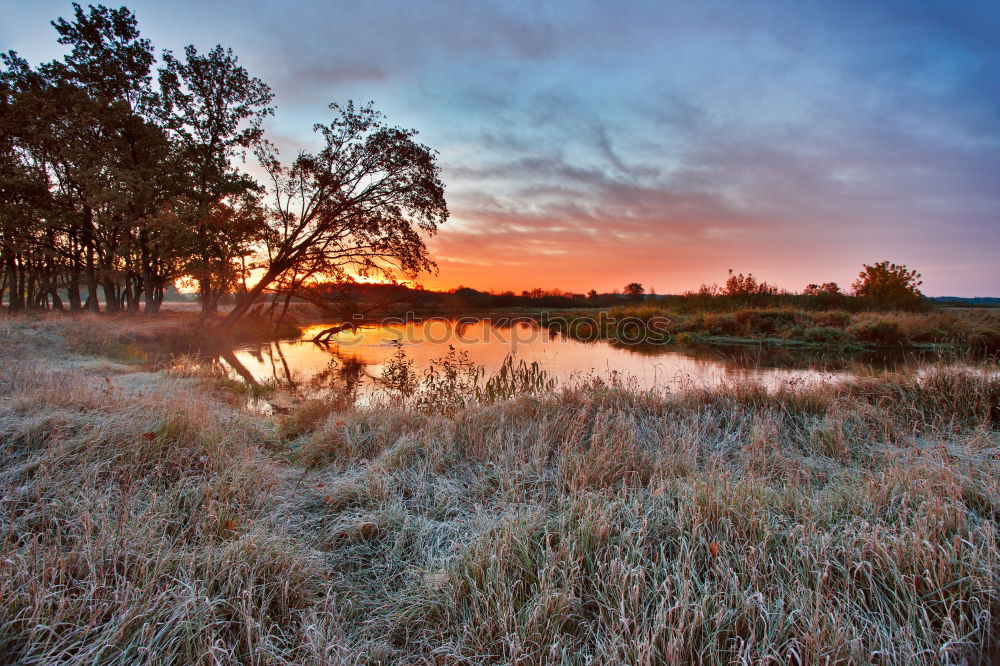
(578, 265)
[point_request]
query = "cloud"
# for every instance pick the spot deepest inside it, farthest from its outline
(584, 143)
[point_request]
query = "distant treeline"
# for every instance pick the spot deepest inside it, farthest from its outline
(738, 293)
(975, 302)
(880, 286)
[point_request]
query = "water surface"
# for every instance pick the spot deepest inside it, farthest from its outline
(359, 357)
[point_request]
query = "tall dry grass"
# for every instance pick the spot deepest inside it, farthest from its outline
(146, 520)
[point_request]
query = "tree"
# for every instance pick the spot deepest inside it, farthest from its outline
(634, 291)
(114, 157)
(889, 285)
(106, 183)
(81, 121)
(230, 230)
(360, 206)
(746, 285)
(24, 190)
(213, 110)
(825, 289)
(108, 56)
(592, 294)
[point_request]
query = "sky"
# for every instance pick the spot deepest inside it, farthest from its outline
(590, 144)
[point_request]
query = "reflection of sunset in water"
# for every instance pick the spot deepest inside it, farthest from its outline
(487, 344)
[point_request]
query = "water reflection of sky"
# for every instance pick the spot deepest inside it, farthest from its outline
(648, 366)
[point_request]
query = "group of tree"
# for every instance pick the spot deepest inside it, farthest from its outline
(634, 291)
(349, 299)
(740, 285)
(881, 286)
(121, 173)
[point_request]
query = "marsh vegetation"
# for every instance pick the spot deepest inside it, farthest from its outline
(149, 517)
(975, 330)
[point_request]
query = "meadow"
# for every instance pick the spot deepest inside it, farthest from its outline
(149, 516)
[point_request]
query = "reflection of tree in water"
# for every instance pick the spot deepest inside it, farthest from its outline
(339, 380)
(229, 357)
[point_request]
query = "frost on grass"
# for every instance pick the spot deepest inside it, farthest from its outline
(155, 521)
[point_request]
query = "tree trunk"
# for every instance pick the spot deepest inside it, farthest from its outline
(241, 308)
(134, 289)
(158, 294)
(29, 292)
(11, 263)
(57, 303)
(110, 296)
(22, 300)
(73, 280)
(73, 290)
(209, 300)
(92, 302)
(149, 292)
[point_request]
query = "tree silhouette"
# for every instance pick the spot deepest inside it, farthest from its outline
(827, 288)
(634, 291)
(889, 285)
(358, 207)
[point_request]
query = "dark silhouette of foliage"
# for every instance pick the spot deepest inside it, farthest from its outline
(213, 109)
(113, 187)
(825, 289)
(360, 206)
(885, 284)
(748, 285)
(634, 291)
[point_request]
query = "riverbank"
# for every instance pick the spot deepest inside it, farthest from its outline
(149, 512)
(973, 330)
(149, 340)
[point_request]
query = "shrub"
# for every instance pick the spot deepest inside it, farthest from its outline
(825, 289)
(889, 285)
(834, 318)
(831, 337)
(878, 331)
(748, 285)
(721, 324)
(766, 321)
(985, 339)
